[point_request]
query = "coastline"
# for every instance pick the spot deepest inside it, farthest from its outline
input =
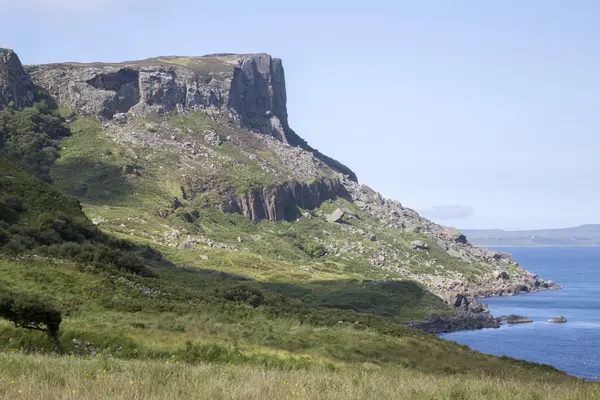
(471, 315)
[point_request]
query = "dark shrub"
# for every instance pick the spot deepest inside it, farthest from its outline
(30, 312)
(243, 294)
(315, 250)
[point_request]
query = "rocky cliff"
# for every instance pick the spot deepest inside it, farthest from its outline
(248, 89)
(281, 202)
(16, 89)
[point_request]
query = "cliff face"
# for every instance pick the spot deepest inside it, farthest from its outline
(281, 202)
(16, 90)
(247, 89)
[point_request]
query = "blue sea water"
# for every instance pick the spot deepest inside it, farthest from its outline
(573, 347)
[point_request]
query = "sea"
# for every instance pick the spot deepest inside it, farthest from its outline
(573, 347)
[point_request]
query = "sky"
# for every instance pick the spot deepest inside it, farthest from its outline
(478, 114)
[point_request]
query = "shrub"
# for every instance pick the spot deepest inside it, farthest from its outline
(30, 312)
(243, 294)
(29, 137)
(315, 250)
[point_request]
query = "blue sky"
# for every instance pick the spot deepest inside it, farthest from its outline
(481, 114)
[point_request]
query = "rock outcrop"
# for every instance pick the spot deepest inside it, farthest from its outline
(494, 267)
(462, 321)
(246, 89)
(281, 202)
(16, 89)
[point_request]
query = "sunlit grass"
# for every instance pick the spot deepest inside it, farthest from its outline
(53, 377)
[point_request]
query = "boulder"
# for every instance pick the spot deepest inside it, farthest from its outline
(419, 245)
(501, 275)
(557, 320)
(457, 300)
(455, 235)
(336, 216)
(120, 118)
(475, 307)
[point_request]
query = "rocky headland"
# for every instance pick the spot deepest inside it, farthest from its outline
(232, 144)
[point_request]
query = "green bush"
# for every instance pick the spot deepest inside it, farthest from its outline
(315, 250)
(30, 137)
(30, 312)
(242, 294)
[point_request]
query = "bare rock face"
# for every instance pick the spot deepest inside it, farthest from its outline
(248, 90)
(281, 202)
(16, 90)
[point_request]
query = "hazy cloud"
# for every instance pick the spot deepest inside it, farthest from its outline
(447, 211)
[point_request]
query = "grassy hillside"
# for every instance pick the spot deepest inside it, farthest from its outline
(176, 302)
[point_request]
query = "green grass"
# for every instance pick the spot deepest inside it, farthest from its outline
(299, 326)
(51, 377)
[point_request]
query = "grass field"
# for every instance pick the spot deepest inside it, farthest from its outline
(51, 377)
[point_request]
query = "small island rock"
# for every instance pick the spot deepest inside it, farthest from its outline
(515, 319)
(558, 320)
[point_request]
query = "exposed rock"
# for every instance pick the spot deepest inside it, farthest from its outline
(460, 322)
(419, 245)
(306, 269)
(16, 90)
(120, 118)
(98, 220)
(213, 138)
(248, 90)
(336, 216)
(515, 319)
(457, 300)
(372, 238)
(455, 235)
(558, 320)
(187, 244)
(281, 202)
(501, 275)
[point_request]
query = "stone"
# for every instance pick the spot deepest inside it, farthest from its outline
(455, 235)
(16, 89)
(120, 118)
(558, 320)
(457, 300)
(419, 245)
(187, 244)
(372, 238)
(501, 275)
(336, 216)
(213, 138)
(306, 269)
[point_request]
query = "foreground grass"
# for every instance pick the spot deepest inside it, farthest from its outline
(52, 377)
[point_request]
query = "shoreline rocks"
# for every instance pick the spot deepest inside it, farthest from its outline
(462, 321)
